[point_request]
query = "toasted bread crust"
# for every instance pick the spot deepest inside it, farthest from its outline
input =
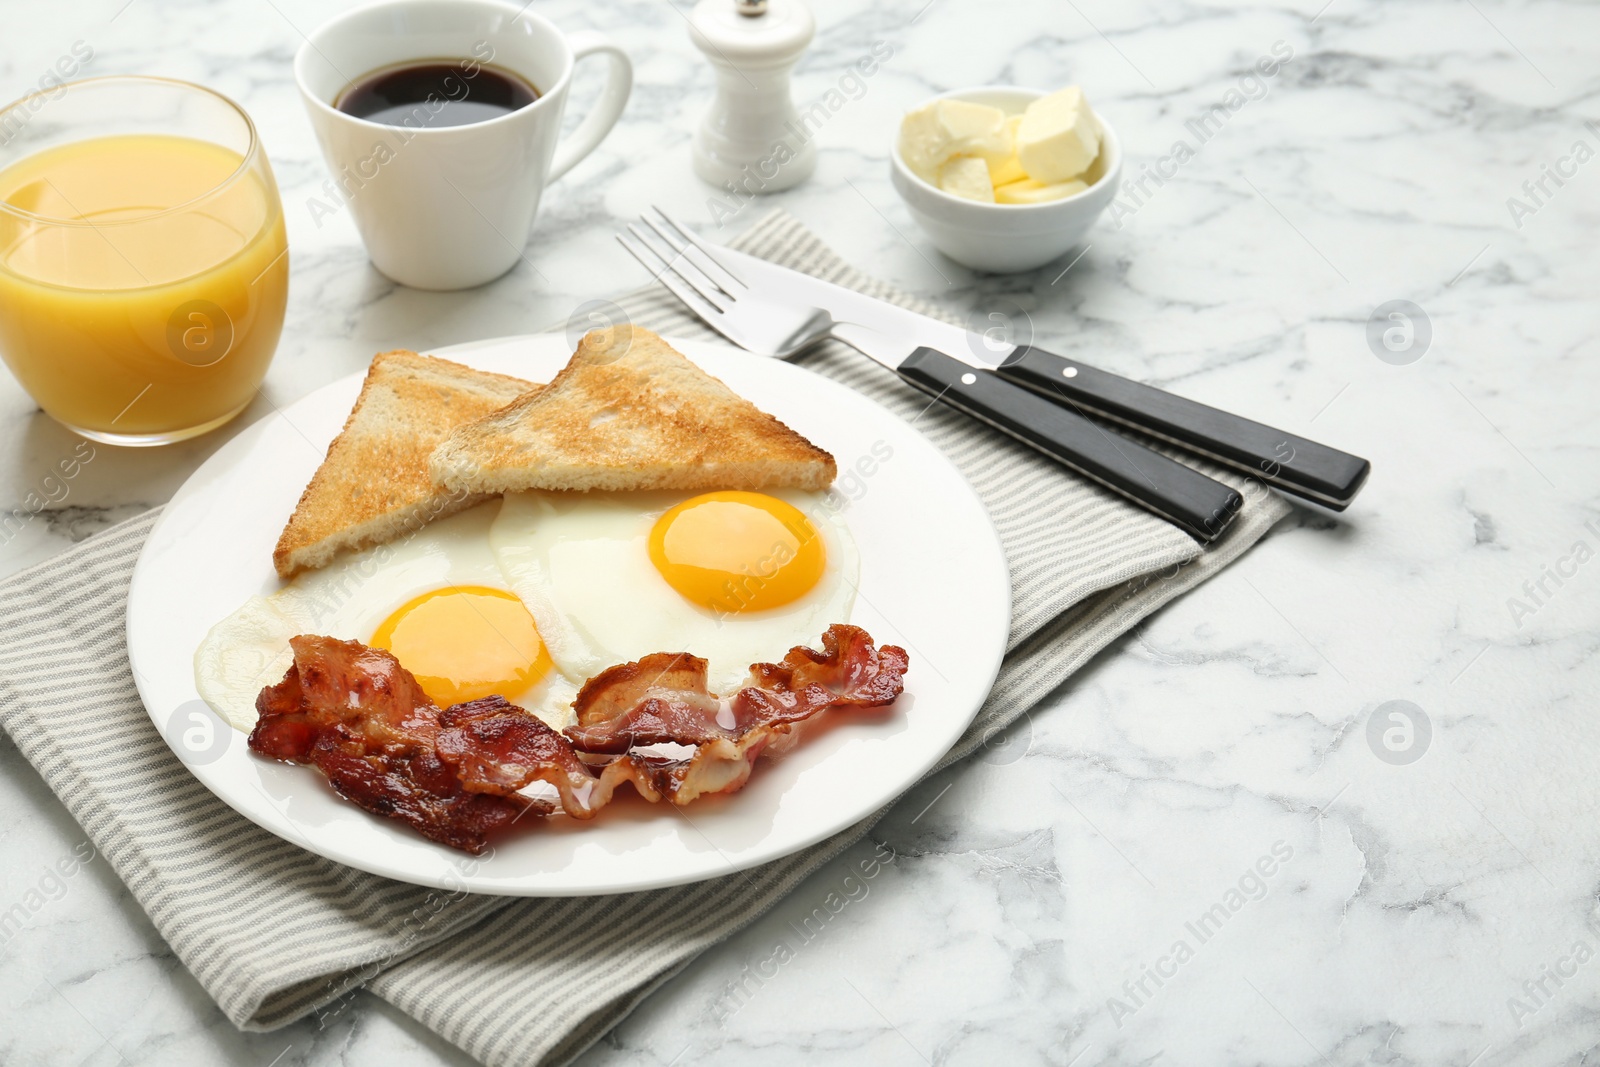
(373, 486)
(628, 412)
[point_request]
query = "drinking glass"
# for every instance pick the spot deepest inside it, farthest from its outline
(144, 265)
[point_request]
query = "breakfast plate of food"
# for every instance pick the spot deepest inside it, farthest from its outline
(510, 618)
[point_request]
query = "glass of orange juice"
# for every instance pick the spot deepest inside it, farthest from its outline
(144, 267)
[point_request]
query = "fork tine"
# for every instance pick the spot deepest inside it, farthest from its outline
(663, 274)
(697, 279)
(698, 252)
(698, 259)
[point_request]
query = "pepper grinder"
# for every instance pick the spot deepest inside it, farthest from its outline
(752, 139)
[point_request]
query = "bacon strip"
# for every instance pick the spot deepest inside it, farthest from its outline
(359, 717)
(454, 776)
(419, 790)
(663, 698)
(345, 685)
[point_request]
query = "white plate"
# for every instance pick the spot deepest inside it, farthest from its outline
(933, 580)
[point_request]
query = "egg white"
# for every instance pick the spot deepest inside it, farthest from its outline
(349, 599)
(581, 564)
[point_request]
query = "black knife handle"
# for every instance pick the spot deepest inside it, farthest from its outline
(1283, 460)
(1200, 506)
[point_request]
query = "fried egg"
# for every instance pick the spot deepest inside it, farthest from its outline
(733, 577)
(436, 599)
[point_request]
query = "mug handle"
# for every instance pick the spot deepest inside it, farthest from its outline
(594, 127)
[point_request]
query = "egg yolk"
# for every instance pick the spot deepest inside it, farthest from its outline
(737, 552)
(466, 642)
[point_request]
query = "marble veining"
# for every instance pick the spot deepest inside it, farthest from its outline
(1214, 844)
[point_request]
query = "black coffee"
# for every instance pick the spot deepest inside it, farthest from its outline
(436, 93)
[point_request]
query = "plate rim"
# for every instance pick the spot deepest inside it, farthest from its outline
(451, 878)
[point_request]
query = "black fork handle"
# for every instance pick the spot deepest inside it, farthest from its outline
(1200, 506)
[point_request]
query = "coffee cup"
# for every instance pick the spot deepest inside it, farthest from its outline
(450, 206)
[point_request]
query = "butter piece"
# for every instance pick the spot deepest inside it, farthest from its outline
(1028, 191)
(1008, 172)
(932, 135)
(967, 176)
(1058, 137)
(1010, 169)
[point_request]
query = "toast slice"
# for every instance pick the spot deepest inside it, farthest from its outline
(629, 412)
(373, 486)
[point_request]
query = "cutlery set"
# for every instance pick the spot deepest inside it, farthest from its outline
(1058, 406)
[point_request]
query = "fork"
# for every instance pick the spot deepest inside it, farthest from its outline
(1201, 506)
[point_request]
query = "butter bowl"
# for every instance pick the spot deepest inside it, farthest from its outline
(1004, 238)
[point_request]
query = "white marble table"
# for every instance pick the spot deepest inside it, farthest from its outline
(1195, 852)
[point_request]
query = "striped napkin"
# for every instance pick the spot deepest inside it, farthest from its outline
(538, 980)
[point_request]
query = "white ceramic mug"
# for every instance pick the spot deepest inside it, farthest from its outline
(449, 207)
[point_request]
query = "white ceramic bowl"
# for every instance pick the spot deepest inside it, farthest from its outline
(1008, 237)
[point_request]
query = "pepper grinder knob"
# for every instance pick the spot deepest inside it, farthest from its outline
(752, 138)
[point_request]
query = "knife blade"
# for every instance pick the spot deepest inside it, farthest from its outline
(1286, 461)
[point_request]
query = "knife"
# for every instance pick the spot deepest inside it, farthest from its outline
(1285, 461)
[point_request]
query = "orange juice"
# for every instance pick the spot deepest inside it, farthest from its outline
(143, 279)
